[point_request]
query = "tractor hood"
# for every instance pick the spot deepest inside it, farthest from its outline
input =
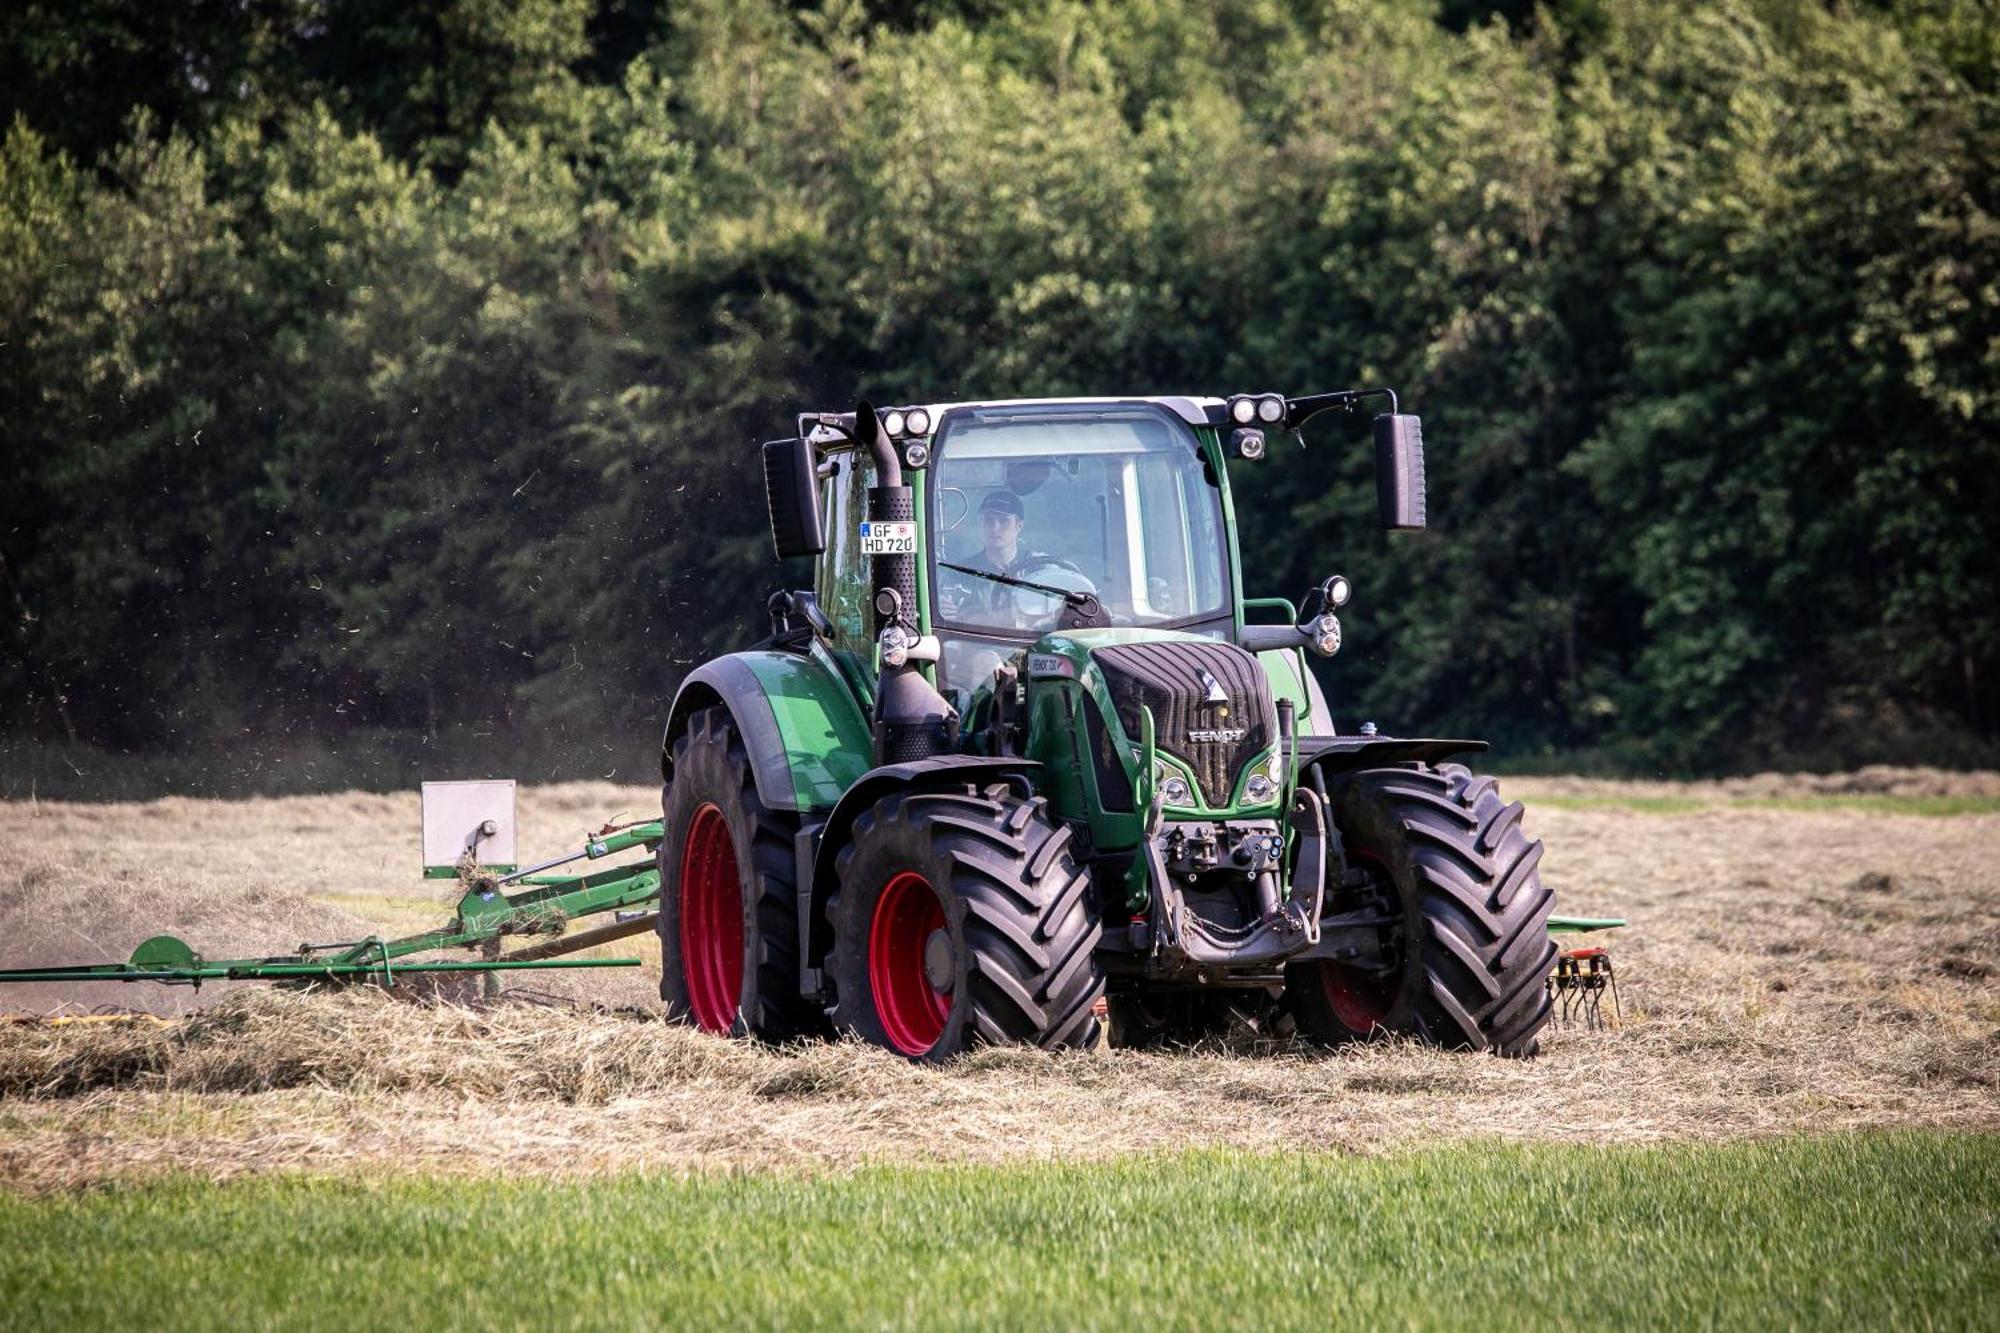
(1211, 703)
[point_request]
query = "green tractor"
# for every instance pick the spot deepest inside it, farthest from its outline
(1025, 759)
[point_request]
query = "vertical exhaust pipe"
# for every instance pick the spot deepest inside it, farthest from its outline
(911, 717)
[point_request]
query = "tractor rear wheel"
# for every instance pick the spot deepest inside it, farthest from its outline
(1464, 962)
(963, 918)
(728, 924)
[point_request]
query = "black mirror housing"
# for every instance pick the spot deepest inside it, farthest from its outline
(1399, 471)
(791, 486)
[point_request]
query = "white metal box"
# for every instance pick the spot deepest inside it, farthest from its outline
(455, 817)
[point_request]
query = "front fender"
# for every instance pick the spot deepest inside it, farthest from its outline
(936, 771)
(807, 735)
(1342, 754)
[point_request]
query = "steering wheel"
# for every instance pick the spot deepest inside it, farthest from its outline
(1057, 562)
(1010, 600)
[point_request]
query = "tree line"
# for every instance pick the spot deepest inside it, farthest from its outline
(401, 364)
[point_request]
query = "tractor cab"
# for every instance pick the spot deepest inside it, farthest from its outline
(1117, 502)
(1025, 510)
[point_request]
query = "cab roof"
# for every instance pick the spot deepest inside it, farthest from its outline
(834, 429)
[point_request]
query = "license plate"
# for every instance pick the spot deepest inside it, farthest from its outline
(888, 539)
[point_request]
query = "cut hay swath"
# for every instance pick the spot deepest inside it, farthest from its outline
(1818, 969)
(499, 902)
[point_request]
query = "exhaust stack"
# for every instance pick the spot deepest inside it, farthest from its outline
(912, 720)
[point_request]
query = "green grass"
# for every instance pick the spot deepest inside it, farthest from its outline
(1874, 803)
(1880, 1231)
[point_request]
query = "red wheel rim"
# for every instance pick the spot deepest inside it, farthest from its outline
(1359, 1000)
(711, 921)
(912, 1011)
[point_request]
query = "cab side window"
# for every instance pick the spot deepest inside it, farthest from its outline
(842, 582)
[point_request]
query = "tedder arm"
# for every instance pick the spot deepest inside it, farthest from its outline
(545, 906)
(1559, 925)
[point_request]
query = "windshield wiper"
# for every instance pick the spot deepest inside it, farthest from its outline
(1082, 601)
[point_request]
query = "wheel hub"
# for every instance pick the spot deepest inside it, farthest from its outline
(1359, 996)
(937, 960)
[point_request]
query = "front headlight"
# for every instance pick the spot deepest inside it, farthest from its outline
(1177, 791)
(1260, 788)
(1326, 634)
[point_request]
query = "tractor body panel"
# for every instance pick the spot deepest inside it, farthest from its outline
(1292, 679)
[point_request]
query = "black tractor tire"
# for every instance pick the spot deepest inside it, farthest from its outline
(728, 923)
(1473, 938)
(963, 918)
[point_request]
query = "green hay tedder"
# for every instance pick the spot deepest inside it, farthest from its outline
(1024, 759)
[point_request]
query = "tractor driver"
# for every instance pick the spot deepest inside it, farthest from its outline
(1002, 520)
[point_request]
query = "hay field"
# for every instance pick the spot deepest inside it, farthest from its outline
(1805, 954)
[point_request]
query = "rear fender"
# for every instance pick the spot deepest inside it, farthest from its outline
(806, 734)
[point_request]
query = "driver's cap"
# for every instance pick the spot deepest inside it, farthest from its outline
(1002, 502)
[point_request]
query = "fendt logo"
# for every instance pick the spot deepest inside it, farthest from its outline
(1214, 696)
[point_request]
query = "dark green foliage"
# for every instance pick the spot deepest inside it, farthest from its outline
(401, 365)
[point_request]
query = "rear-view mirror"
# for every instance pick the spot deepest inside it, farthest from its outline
(791, 485)
(1399, 470)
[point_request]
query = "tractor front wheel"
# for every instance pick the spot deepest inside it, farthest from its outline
(1466, 950)
(728, 919)
(963, 918)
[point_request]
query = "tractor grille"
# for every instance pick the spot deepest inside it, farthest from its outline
(1167, 678)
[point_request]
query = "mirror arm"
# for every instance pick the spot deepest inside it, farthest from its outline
(1300, 410)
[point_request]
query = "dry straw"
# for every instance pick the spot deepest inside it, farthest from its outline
(1786, 970)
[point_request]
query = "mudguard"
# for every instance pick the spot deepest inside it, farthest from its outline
(806, 733)
(1343, 754)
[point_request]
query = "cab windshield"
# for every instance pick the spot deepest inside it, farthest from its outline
(1107, 500)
